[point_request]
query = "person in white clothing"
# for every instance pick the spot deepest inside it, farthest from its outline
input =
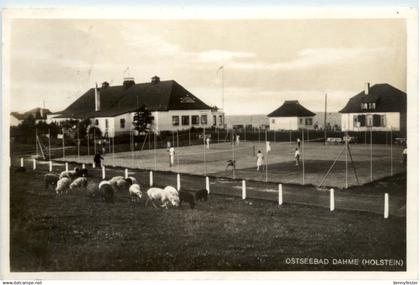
(297, 156)
(260, 158)
(171, 156)
(208, 143)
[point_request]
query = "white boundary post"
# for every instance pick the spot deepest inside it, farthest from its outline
(21, 162)
(178, 182)
(280, 194)
(93, 165)
(83, 166)
(243, 189)
(50, 166)
(386, 206)
(151, 178)
(208, 184)
(126, 173)
(332, 202)
(103, 172)
(34, 163)
(67, 166)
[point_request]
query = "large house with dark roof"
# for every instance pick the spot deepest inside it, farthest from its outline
(291, 116)
(379, 107)
(111, 108)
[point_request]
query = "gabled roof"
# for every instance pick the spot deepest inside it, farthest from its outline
(17, 115)
(386, 98)
(291, 109)
(117, 100)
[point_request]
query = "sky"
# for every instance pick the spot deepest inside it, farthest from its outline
(265, 61)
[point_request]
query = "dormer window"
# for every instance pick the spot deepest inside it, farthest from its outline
(368, 106)
(364, 106)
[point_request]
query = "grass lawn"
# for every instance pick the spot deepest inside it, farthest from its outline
(77, 233)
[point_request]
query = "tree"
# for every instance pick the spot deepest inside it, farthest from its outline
(142, 120)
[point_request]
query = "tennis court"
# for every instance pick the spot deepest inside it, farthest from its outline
(316, 160)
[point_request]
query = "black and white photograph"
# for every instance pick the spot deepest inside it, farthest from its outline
(237, 143)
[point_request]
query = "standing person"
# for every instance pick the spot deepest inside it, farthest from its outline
(297, 156)
(404, 157)
(298, 142)
(207, 140)
(260, 158)
(97, 159)
(171, 156)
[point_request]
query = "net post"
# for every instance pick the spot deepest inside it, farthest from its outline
(93, 165)
(83, 166)
(67, 166)
(103, 172)
(34, 163)
(50, 166)
(386, 206)
(126, 173)
(21, 162)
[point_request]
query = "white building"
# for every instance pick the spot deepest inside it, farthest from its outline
(291, 116)
(379, 107)
(111, 108)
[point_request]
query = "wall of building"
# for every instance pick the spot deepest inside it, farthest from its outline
(283, 123)
(333, 119)
(164, 120)
(392, 120)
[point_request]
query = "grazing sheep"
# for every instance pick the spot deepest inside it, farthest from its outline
(50, 179)
(135, 193)
(106, 191)
(70, 174)
(185, 196)
(63, 185)
(133, 180)
(120, 183)
(92, 189)
(79, 184)
(201, 195)
(162, 196)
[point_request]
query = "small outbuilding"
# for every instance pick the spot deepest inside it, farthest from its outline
(291, 116)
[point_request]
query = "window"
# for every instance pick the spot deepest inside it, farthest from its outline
(194, 120)
(356, 122)
(220, 120)
(175, 120)
(308, 121)
(185, 120)
(301, 121)
(214, 120)
(369, 121)
(96, 122)
(204, 119)
(273, 121)
(364, 106)
(106, 123)
(383, 121)
(371, 106)
(122, 123)
(362, 120)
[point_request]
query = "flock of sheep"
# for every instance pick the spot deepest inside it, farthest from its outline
(76, 180)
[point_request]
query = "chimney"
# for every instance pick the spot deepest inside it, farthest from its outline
(155, 79)
(367, 87)
(97, 98)
(104, 85)
(128, 82)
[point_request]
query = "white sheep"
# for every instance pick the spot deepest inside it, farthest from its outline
(119, 183)
(165, 197)
(63, 185)
(135, 193)
(106, 191)
(79, 184)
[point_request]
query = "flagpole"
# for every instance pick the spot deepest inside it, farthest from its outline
(223, 88)
(49, 144)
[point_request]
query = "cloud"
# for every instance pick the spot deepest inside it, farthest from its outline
(315, 57)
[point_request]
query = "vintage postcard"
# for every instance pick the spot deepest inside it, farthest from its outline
(210, 143)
